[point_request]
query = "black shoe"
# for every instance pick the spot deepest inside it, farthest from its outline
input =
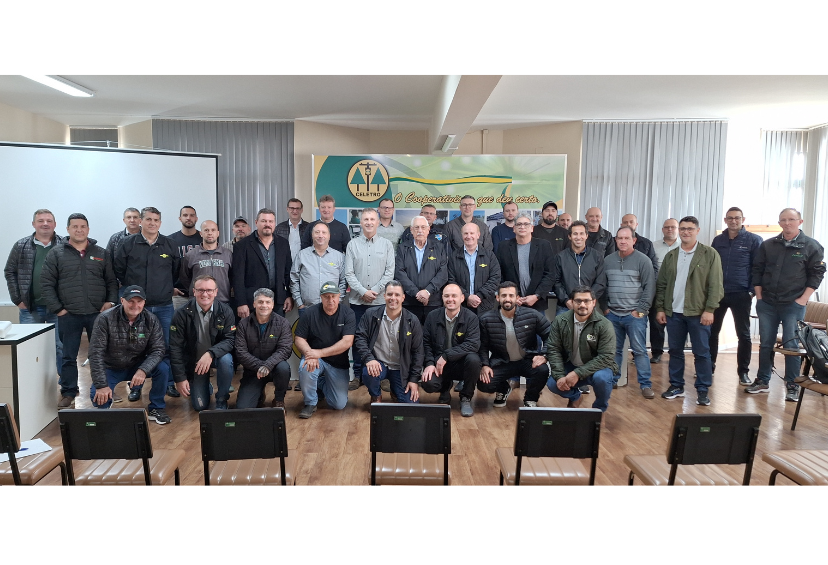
(673, 392)
(713, 369)
(353, 385)
(703, 399)
(307, 412)
(159, 415)
(584, 389)
(297, 387)
(656, 359)
(134, 395)
(171, 391)
(744, 379)
(458, 387)
(445, 398)
(792, 393)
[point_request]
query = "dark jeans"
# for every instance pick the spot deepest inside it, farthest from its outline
(200, 384)
(359, 310)
(71, 329)
(466, 370)
(600, 380)
(679, 327)
(420, 311)
(251, 387)
(535, 378)
(164, 315)
(394, 379)
(656, 335)
(41, 315)
(739, 304)
(160, 378)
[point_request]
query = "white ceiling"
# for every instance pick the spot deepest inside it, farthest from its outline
(409, 102)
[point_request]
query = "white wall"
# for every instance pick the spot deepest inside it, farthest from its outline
(25, 127)
(136, 136)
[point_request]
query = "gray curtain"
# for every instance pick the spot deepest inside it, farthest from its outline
(783, 174)
(817, 192)
(255, 169)
(655, 170)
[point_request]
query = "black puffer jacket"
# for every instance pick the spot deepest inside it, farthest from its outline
(117, 345)
(410, 341)
(153, 267)
(464, 340)
(568, 274)
(184, 336)
(785, 271)
(254, 350)
(528, 323)
(646, 247)
(431, 277)
(81, 286)
(19, 268)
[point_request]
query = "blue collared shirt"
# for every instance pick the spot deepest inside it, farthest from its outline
(418, 253)
(471, 259)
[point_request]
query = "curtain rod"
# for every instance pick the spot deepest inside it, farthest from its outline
(723, 120)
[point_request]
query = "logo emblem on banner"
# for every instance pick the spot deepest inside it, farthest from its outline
(368, 180)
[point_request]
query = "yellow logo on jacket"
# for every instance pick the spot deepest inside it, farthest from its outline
(483, 265)
(164, 256)
(459, 334)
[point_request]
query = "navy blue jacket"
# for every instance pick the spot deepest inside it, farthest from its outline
(501, 232)
(737, 259)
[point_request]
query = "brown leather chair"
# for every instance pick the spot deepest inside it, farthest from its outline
(802, 466)
(410, 444)
(549, 446)
(699, 444)
(247, 446)
(117, 446)
(27, 470)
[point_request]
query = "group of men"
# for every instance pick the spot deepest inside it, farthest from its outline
(420, 308)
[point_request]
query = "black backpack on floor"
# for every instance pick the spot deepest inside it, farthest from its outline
(815, 343)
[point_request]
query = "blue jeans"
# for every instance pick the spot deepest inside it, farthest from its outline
(394, 379)
(200, 385)
(601, 382)
(770, 316)
(560, 308)
(160, 377)
(40, 315)
(679, 327)
(332, 381)
(164, 315)
(636, 329)
(359, 310)
(70, 332)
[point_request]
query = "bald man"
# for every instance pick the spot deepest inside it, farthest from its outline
(476, 271)
(598, 238)
(642, 244)
(208, 258)
(565, 220)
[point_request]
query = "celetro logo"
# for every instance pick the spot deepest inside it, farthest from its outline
(368, 180)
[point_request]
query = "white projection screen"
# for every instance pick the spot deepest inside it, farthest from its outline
(101, 184)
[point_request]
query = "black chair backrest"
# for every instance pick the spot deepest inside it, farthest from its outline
(9, 438)
(252, 433)
(410, 428)
(105, 434)
(713, 439)
(558, 432)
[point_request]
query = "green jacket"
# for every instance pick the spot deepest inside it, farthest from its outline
(596, 345)
(704, 287)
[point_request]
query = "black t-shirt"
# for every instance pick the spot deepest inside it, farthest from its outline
(321, 330)
(185, 242)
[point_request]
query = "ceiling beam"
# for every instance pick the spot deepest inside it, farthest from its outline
(460, 101)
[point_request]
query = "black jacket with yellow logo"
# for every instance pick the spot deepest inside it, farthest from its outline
(152, 267)
(431, 275)
(184, 336)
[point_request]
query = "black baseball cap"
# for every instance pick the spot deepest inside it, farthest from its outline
(134, 291)
(329, 287)
(548, 204)
(241, 219)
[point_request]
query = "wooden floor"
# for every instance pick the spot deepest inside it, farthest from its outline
(332, 446)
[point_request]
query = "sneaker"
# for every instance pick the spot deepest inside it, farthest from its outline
(134, 395)
(376, 399)
(221, 405)
(647, 393)
(712, 368)
(584, 389)
(297, 387)
(744, 379)
(655, 359)
(673, 392)
(530, 403)
(459, 386)
(385, 385)
(65, 402)
(307, 412)
(515, 383)
(792, 394)
(116, 398)
(757, 387)
(500, 397)
(703, 399)
(353, 385)
(445, 398)
(231, 389)
(277, 403)
(172, 391)
(159, 415)
(575, 403)
(466, 408)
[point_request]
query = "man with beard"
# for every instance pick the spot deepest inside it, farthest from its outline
(185, 240)
(207, 258)
(509, 348)
(549, 230)
(506, 230)
(241, 229)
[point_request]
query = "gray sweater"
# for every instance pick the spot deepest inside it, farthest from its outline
(630, 283)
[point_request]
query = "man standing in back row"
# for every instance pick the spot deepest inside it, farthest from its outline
(661, 246)
(599, 239)
(340, 236)
(454, 229)
(787, 270)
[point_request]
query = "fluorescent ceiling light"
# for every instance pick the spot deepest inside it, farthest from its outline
(449, 141)
(60, 83)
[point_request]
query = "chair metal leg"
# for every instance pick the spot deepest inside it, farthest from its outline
(501, 478)
(632, 478)
(177, 477)
(798, 407)
(64, 478)
(773, 477)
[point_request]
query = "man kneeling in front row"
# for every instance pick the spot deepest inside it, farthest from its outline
(202, 335)
(324, 335)
(390, 342)
(127, 344)
(581, 351)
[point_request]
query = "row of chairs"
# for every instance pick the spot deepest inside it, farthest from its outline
(410, 444)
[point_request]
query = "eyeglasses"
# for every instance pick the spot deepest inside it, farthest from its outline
(386, 207)
(205, 290)
(581, 300)
(467, 205)
(732, 218)
(294, 208)
(686, 230)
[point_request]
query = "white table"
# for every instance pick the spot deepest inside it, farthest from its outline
(27, 376)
